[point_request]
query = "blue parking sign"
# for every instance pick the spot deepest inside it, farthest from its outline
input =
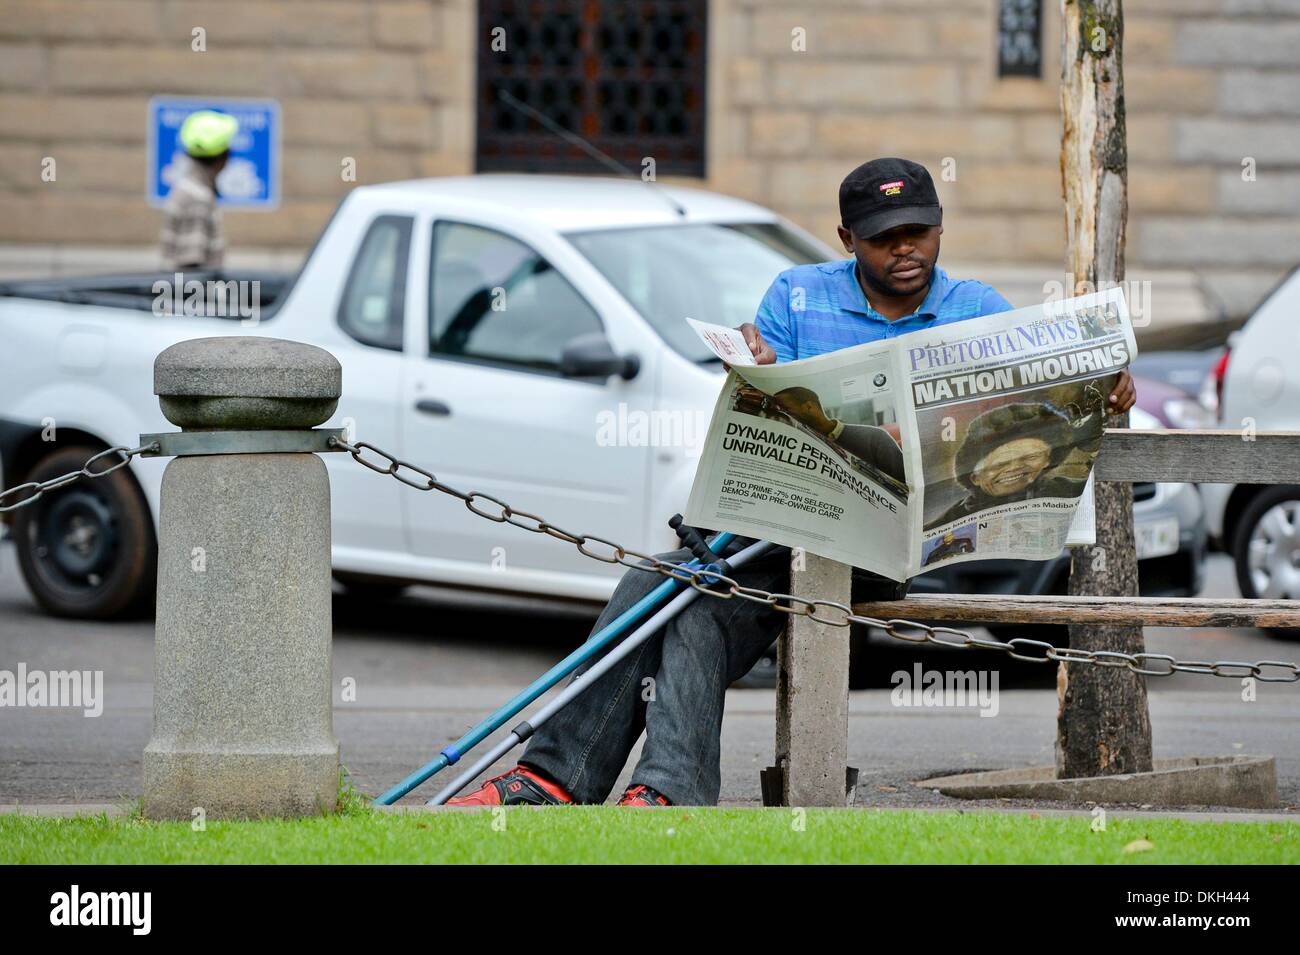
(251, 179)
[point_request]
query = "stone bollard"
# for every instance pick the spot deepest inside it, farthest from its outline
(242, 712)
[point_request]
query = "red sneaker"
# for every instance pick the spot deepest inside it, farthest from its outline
(639, 795)
(519, 787)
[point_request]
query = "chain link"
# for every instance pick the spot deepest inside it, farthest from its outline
(39, 488)
(707, 582)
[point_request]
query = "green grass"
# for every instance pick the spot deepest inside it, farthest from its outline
(610, 834)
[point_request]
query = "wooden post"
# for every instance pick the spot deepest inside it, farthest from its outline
(812, 691)
(1103, 724)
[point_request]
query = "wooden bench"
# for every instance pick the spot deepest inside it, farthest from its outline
(813, 658)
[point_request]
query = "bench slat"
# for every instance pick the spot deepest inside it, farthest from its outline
(1204, 457)
(1118, 611)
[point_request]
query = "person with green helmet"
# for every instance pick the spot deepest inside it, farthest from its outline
(192, 236)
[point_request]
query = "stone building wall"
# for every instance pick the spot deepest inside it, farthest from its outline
(390, 83)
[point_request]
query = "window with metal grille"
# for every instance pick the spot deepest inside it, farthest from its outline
(626, 75)
(1020, 38)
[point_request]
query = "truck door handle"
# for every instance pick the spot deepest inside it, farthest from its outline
(432, 406)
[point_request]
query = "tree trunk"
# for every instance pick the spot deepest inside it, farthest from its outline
(1103, 724)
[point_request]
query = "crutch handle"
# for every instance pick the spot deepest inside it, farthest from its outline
(694, 540)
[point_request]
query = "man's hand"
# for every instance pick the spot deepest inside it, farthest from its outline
(761, 350)
(1124, 396)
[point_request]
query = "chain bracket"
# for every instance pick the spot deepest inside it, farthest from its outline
(184, 443)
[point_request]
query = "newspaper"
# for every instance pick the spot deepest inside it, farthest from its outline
(966, 441)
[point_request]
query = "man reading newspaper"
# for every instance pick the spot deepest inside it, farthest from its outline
(672, 687)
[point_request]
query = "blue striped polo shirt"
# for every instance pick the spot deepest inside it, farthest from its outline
(813, 309)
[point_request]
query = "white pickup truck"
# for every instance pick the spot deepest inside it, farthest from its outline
(521, 336)
(516, 335)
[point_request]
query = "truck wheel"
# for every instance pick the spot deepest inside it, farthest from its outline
(1266, 547)
(87, 549)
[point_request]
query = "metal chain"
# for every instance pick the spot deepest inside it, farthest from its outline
(39, 488)
(1019, 648)
(705, 581)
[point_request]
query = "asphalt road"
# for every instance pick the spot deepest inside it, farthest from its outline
(431, 664)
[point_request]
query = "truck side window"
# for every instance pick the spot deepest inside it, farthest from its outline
(374, 298)
(493, 298)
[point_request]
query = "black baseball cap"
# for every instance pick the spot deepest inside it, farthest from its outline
(884, 193)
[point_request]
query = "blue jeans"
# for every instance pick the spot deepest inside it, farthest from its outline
(671, 687)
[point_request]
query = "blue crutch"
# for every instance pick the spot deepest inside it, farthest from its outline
(652, 626)
(452, 753)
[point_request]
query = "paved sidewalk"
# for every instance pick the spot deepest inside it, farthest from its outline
(50, 756)
(426, 671)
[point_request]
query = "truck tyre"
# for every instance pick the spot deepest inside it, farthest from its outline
(1266, 548)
(87, 549)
